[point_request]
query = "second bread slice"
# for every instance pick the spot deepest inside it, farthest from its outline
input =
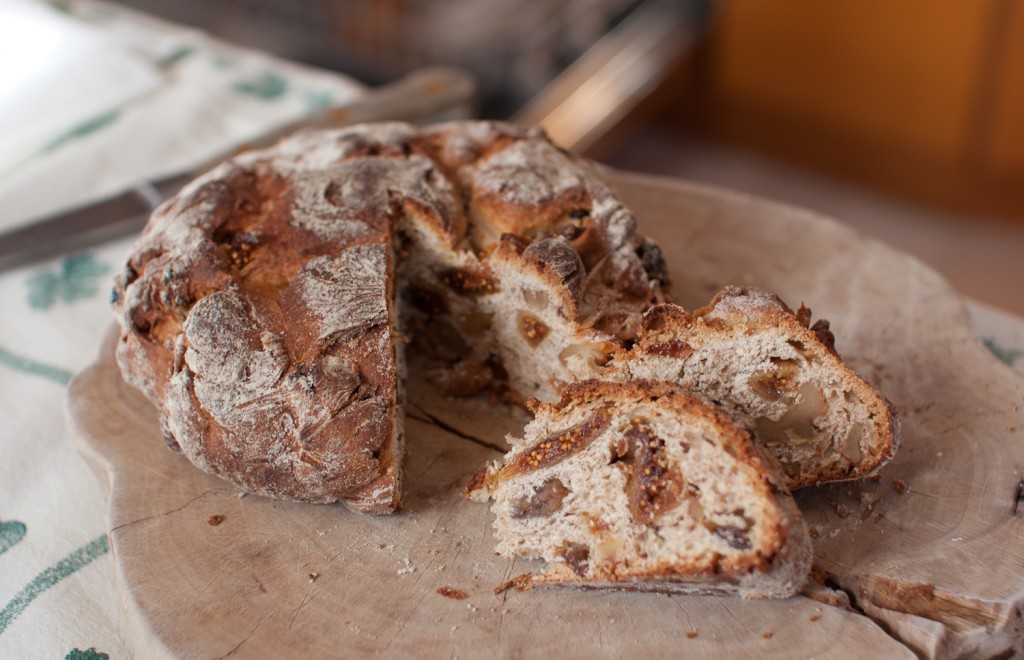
(639, 486)
(775, 374)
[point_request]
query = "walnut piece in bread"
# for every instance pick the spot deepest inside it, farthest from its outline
(776, 375)
(639, 486)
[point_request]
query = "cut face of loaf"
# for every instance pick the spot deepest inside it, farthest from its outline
(550, 280)
(542, 327)
(640, 486)
(528, 318)
(776, 375)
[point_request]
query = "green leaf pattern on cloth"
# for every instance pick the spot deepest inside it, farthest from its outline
(83, 129)
(88, 654)
(317, 100)
(266, 85)
(68, 566)
(175, 57)
(51, 575)
(223, 61)
(59, 5)
(1008, 356)
(79, 277)
(97, 15)
(11, 531)
(30, 366)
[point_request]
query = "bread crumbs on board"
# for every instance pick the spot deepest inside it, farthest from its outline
(519, 583)
(452, 592)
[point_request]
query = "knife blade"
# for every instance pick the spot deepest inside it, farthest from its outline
(429, 94)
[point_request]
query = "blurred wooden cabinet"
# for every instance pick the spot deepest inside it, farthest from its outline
(923, 97)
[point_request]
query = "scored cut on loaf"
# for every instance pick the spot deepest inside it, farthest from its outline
(775, 374)
(265, 307)
(637, 485)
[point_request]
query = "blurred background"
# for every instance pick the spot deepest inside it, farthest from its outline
(903, 119)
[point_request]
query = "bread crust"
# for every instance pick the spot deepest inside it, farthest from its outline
(551, 260)
(258, 308)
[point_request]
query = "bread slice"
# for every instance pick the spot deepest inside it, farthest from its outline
(774, 373)
(640, 486)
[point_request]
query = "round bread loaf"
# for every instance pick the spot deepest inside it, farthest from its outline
(259, 310)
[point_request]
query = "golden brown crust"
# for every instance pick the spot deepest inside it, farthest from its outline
(552, 260)
(666, 318)
(255, 313)
(526, 186)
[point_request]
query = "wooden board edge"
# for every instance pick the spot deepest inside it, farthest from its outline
(76, 402)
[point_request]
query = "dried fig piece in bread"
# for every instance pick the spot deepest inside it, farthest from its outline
(655, 491)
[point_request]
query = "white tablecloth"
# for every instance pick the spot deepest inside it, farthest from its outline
(57, 590)
(214, 96)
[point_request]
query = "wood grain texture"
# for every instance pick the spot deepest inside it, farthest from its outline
(937, 569)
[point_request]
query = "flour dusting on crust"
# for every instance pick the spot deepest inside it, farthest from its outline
(345, 294)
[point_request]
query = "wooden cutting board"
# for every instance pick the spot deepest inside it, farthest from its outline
(928, 559)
